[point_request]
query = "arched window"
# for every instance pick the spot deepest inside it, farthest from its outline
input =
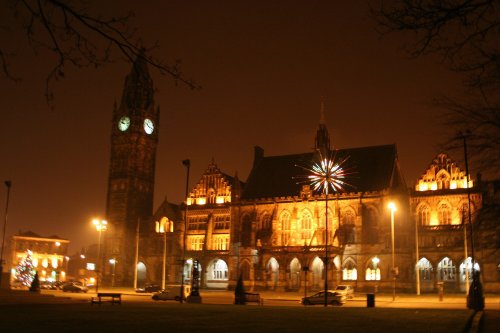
(285, 227)
(446, 270)
(443, 180)
(466, 269)
(349, 272)
(295, 269)
(306, 225)
(370, 228)
(373, 270)
(424, 267)
(348, 227)
(444, 214)
(245, 270)
(246, 231)
(219, 270)
(266, 223)
(424, 215)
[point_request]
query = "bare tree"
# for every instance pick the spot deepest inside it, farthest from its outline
(78, 38)
(465, 33)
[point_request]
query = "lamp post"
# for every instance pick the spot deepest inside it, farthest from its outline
(113, 262)
(163, 230)
(100, 226)
(392, 207)
(8, 183)
(187, 164)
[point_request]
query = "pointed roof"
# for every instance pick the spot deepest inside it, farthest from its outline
(138, 90)
(322, 139)
(373, 169)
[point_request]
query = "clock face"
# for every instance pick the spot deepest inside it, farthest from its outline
(123, 123)
(148, 126)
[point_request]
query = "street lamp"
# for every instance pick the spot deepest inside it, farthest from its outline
(8, 183)
(392, 207)
(162, 228)
(113, 262)
(100, 226)
(187, 164)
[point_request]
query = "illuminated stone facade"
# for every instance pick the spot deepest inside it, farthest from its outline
(272, 228)
(49, 255)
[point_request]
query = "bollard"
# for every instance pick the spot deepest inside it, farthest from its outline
(440, 286)
(370, 300)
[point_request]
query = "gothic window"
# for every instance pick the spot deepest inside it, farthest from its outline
(266, 222)
(348, 227)
(424, 267)
(219, 270)
(196, 243)
(466, 269)
(446, 270)
(221, 242)
(245, 270)
(197, 222)
(424, 215)
(221, 222)
(373, 270)
(246, 232)
(370, 228)
(306, 225)
(444, 214)
(349, 271)
(211, 196)
(285, 227)
(295, 269)
(443, 180)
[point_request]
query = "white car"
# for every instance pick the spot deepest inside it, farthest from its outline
(167, 295)
(346, 290)
(332, 298)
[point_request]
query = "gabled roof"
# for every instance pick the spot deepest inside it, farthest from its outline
(169, 210)
(371, 169)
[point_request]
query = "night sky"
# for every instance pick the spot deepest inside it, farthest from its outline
(264, 69)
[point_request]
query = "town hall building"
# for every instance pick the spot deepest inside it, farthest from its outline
(276, 231)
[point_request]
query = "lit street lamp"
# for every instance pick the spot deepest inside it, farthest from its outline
(100, 226)
(113, 262)
(8, 183)
(163, 228)
(392, 207)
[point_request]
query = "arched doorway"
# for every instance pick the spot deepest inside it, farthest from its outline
(217, 274)
(294, 279)
(141, 274)
(466, 272)
(426, 275)
(317, 271)
(272, 270)
(188, 267)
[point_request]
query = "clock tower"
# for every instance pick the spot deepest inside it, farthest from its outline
(134, 137)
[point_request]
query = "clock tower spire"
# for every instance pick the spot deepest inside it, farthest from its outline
(134, 137)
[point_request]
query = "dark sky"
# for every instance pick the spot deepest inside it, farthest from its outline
(264, 66)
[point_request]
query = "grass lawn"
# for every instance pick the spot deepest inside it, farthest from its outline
(173, 317)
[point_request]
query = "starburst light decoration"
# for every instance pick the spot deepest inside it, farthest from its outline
(329, 173)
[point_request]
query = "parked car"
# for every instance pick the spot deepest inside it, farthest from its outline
(148, 288)
(48, 285)
(74, 287)
(345, 289)
(332, 298)
(167, 295)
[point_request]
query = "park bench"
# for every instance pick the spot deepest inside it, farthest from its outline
(253, 298)
(107, 297)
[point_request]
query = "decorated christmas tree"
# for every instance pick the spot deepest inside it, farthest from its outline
(25, 271)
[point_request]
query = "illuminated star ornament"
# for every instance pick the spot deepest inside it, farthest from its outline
(329, 173)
